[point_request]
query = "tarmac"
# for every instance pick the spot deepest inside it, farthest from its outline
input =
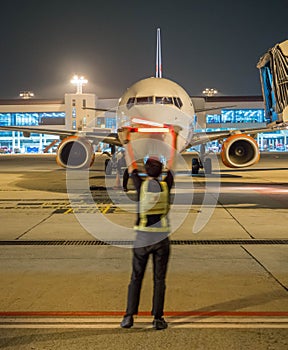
(65, 242)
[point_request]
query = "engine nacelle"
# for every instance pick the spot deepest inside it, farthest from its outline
(240, 151)
(75, 153)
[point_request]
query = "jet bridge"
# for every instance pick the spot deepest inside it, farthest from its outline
(273, 68)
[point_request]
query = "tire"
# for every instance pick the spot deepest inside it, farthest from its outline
(195, 166)
(108, 167)
(208, 166)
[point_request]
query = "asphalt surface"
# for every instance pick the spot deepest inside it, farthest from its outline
(227, 284)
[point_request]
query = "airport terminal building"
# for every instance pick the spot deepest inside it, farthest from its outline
(70, 113)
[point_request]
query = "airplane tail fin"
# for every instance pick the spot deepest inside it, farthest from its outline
(158, 56)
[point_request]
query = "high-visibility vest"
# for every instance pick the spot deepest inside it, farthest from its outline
(153, 203)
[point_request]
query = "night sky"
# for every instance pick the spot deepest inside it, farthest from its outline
(214, 44)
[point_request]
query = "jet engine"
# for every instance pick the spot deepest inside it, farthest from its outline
(239, 151)
(75, 153)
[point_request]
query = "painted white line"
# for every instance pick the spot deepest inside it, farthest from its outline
(143, 322)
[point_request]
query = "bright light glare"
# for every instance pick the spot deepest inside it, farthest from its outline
(152, 130)
(26, 94)
(79, 82)
(209, 92)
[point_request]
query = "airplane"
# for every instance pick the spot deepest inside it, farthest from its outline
(153, 103)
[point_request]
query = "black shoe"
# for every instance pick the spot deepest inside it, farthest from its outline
(159, 323)
(127, 321)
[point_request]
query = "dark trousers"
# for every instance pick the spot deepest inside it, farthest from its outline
(160, 252)
(125, 178)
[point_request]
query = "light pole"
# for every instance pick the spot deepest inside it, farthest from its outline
(79, 82)
(209, 92)
(26, 95)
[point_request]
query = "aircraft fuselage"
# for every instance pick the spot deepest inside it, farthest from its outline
(156, 101)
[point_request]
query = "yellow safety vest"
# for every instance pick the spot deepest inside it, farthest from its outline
(153, 203)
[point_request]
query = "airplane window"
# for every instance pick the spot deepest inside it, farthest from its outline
(130, 102)
(164, 100)
(144, 100)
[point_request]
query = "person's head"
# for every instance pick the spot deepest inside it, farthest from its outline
(153, 167)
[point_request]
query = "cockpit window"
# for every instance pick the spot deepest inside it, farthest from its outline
(139, 101)
(144, 100)
(169, 101)
(164, 100)
(130, 102)
(150, 100)
(178, 103)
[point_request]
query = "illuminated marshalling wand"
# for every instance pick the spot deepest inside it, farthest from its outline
(79, 82)
(149, 126)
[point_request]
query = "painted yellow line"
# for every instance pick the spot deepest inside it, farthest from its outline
(106, 209)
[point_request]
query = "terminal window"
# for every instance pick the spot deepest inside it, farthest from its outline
(237, 116)
(32, 119)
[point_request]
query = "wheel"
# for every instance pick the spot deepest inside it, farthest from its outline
(108, 167)
(195, 166)
(208, 166)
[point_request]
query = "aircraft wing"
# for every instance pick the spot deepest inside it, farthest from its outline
(111, 138)
(198, 110)
(198, 138)
(95, 137)
(101, 109)
(27, 130)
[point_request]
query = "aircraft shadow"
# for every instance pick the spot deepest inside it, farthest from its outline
(236, 304)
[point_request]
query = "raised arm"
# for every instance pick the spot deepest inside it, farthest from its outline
(130, 159)
(171, 160)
